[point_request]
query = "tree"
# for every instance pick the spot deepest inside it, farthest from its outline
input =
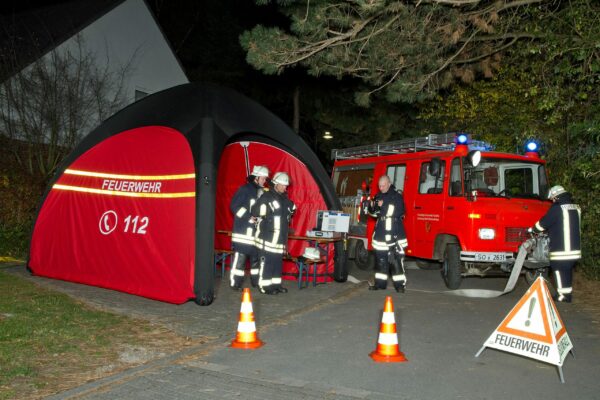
(46, 107)
(408, 49)
(551, 91)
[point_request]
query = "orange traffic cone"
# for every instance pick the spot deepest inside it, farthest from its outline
(387, 344)
(246, 337)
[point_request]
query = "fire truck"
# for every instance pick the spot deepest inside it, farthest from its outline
(467, 207)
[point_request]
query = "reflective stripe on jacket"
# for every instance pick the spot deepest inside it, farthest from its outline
(389, 229)
(274, 211)
(241, 203)
(563, 224)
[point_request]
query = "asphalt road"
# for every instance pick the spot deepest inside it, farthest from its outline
(318, 340)
(439, 335)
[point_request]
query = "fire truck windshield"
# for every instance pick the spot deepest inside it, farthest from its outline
(507, 178)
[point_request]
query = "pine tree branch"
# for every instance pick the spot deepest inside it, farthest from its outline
(314, 48)
(429, 76)
(487, 54)
(505, 36)
(498, 6)
(459, 3)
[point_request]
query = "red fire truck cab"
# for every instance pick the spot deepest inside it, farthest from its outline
(467, 207)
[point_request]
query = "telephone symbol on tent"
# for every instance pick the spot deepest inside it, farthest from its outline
(108, 222)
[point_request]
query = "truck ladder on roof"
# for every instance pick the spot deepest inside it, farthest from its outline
(410, 145)
(430, 142)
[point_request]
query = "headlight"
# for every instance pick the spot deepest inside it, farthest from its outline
(487, 233)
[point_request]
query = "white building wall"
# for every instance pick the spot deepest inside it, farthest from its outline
(129, 34)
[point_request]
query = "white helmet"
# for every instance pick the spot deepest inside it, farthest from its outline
(281, 178)
(259, 170)
(556, 191)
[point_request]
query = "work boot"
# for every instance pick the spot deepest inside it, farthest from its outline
(563, 298)
(400, 288)
(376, 286)
(282, 289)
(268, 291)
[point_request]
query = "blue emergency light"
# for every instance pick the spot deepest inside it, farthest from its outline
(532, 146)
(462, 139)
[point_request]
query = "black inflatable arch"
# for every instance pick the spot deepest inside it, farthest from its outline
(210, 117)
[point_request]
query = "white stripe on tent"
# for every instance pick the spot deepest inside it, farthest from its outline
(69, 171)
(126, 194)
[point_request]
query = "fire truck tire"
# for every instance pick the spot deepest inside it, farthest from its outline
(532, 274)
(451, 268)
(363, 258)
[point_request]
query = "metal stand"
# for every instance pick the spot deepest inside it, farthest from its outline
(560, 374)
(480, 351)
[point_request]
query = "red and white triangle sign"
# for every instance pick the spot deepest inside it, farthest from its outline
(533, 328)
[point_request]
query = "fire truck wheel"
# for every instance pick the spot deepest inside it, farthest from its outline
(363, 258)
(451, 268)
(532, 274)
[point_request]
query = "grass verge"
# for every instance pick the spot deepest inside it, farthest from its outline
(49, 342)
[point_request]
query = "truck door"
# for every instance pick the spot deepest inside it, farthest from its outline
(454, 204)
(428, 208)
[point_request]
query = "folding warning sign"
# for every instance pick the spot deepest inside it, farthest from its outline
(533, 328)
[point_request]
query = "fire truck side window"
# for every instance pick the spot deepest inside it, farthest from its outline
(428, 183)
(455, 187)
(348, 182)
(397, 174)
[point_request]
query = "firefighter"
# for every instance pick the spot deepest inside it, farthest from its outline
(242, 237)
(562, 222)
(273, 211)
(389, 237)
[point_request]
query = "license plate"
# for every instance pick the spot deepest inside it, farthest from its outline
(490, 257)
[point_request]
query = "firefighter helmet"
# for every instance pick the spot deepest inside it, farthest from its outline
(260, 170)
(281, 178)
(556, 191)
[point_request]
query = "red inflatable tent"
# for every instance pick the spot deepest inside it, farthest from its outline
(235, 165)
(136, 205)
